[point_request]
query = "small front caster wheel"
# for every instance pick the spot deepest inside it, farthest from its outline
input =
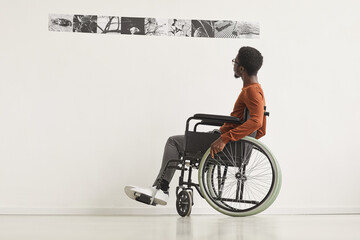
(184, 203)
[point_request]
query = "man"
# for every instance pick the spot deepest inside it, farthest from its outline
(246, 65)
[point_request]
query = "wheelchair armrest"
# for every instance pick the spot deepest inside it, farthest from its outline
(216, 118)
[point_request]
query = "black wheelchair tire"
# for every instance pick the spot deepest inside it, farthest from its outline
(184, 203)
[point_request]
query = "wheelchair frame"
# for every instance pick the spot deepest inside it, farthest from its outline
(192, 157)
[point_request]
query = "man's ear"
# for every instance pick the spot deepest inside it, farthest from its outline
(241, 69)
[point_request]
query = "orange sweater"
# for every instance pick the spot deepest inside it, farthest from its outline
(252, 97)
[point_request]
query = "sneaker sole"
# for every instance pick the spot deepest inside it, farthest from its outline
(129, 190)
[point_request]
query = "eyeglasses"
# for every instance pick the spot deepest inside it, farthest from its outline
(234, 61)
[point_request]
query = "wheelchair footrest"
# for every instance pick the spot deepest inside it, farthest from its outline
(144, 199)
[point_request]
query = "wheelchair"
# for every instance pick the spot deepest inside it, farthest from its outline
(242, 180)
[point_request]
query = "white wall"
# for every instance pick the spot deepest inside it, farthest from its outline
(83, 115)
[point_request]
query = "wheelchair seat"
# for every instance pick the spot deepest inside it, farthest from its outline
(197, 143)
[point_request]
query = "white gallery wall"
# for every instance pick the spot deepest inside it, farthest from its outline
(83, 115)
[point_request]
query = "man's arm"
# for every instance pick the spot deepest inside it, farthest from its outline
(261, 131)
(226, 127)
(255, 103)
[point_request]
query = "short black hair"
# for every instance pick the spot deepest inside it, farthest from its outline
(251, 59)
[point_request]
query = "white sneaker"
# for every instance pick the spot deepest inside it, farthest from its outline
(135, 193)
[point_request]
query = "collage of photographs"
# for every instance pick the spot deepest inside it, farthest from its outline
(153, 26)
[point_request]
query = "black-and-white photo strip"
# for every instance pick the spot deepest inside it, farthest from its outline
(133, 26)
(202, 28)
(85, 23)
(153, 26)
(60, 22)
(106, 24)
(156, 27)
(179, 27)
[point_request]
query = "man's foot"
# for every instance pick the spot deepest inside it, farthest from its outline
(144, 195)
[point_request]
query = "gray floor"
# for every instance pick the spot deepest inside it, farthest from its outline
(264, 227)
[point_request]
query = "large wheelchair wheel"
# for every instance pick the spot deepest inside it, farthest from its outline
(242, 180)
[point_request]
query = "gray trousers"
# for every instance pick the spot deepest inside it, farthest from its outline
(173, 147)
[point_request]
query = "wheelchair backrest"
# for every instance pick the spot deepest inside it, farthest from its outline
(246, 114)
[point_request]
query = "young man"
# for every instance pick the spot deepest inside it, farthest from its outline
(246, 65)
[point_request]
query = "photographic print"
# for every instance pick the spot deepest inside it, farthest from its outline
(153, 26)
(179, 27)
(133, 26)
(60, 22)
(202, 28)
(156, 27)
(225, 29)
(247, 29)
(106, 24)
(85, 23)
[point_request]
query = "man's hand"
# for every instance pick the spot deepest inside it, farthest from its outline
(217, 146)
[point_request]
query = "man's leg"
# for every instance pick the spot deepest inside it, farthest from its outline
(148, 195)
(173, 147)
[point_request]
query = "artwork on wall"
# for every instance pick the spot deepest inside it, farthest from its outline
(239, 29)
(247, 29)
(133, 26)
(202, 28)
(153, 26)
(61, 23)
(156, 27)
(225, 29)
(107, 24)
(85, 23)
(179, 27)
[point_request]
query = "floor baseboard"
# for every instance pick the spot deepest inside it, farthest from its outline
(163, 211)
